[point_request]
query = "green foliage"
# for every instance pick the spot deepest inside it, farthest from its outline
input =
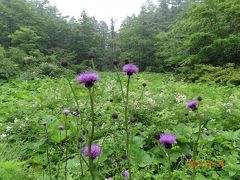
(159, 107)
(19, 57)
(202, 35)
(48, 69)
(223, 75)
(25, 38)
(137, 35)
(12, 170)
(173, 35)
(36, 32)
(8, 68)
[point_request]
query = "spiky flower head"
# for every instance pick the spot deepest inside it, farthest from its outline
(114, 115)
(126, 61)
(188, 156)
(61, 127)
(88, 79)
(66, 111)
(126, 174)
(167, 139)
(91, 55)
(64, 63)
(144, 84)
(75, 113)
(115, 62)
(157, 135)
(130, 69)
(199, 98)
(95, 151)
(124, 156)
(192, 105)
(80, 139)
(45, 123)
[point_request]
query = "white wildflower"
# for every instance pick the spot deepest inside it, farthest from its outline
(147, 93)
(15, 120)
(132, 93)
(161, 94)
(151, 101)
(8, 128)
(109, 87)
(180, 97)
(77, 164)
(2, 136)
(22, 125)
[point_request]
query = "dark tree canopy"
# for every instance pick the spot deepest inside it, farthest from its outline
(171, 35)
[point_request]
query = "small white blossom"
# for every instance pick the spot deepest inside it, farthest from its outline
(8, 128)
(77, 164)
(132, 93)
(161, 94)
(109, 87)
(22, 125)
(180, 97)
(147, 93)
(2, 136)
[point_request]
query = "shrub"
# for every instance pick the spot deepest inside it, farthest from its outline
(7, 67)
(212, 74)
(12, 170)
(48, 69)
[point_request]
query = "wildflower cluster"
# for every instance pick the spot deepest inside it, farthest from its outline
(90, 147)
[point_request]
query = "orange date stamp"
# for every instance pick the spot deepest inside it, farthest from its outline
(206, 163)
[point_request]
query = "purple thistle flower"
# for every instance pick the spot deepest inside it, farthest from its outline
(95, 151)
(192, 105)
(88, 78)
(126, 174)
(130, 69)
(167, 139)
(66, 111)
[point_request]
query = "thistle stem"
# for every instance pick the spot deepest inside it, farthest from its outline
(66, 145)
(120, 82)
(127, 128)
(80, 158)
(169, 170)
(47, 152)
(91, 137)
(73, 92)
(169, 163)
(92, 64)
(195, 148)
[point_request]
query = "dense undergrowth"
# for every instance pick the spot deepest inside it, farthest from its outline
(159, 107)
